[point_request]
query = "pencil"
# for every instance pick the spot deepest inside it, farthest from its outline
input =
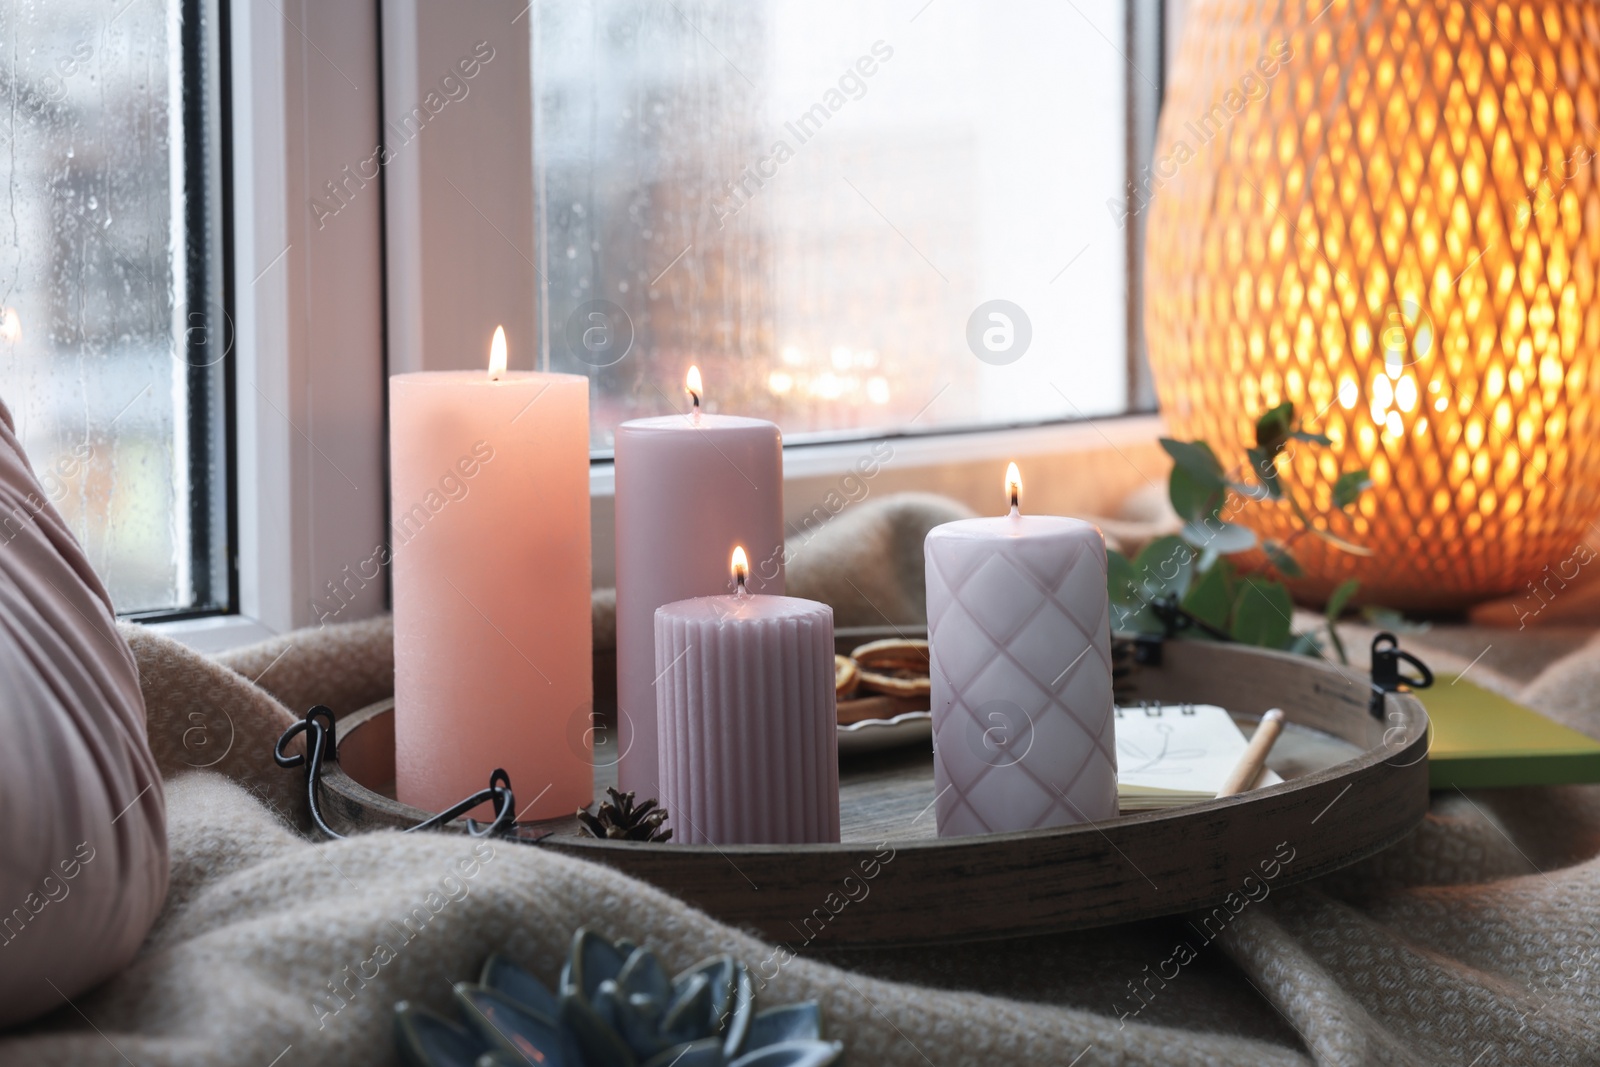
(1255, 755)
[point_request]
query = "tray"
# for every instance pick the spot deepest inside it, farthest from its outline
(1355, 784)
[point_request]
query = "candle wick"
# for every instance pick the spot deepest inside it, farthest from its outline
(739, 580)
(1016, 505)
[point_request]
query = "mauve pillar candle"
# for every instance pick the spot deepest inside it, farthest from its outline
(1019, 641)
(748, 727)
(689, 488)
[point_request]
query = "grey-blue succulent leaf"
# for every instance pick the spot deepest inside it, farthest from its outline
(426, 1039)
(503, 976)
(790, 1022)
(499, 1058)
(607, 1003)
(707, 1052)
(719, 972)
(792, 1054)
(593, 959)
(638, 1020)
(643, 973)
(686, 1017)
(598, 1042)
(502, 1023)
(736, 1023)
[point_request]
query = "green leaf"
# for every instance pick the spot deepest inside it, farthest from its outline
(1197, 458)
(1164, 568)
(1283, 560)
(1218, 536)
(1261, 613)
(1193, 501)
(1265, 466)
(1135, 619)
(1306, 645)
(1211, 599)
(1312, 438)
(1338, 643)
(1253, 492)
(1349, 487)
(1390, 619)
(1121, 584)
(1340, 597)
(1273, 427)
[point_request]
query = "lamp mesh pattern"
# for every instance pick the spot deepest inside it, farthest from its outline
(1387, 212)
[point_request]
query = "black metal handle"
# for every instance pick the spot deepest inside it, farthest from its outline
(1387, 656)
(321, 745)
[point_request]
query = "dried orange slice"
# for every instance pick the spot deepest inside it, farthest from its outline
(894, 667)
(846, 676)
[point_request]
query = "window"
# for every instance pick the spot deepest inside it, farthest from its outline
(820, 203)
(856, 218)
(114, 322)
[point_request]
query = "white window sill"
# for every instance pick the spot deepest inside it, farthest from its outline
(1080, 468)
(214, 633)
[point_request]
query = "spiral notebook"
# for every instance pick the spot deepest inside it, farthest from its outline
(1176, 754)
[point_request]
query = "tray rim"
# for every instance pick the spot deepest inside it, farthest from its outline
(710, 876)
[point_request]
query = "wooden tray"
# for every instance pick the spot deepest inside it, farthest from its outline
(1354, 785)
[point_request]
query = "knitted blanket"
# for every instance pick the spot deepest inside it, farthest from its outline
(1474, 942)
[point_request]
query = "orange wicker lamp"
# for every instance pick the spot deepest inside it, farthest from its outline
(1388, 213)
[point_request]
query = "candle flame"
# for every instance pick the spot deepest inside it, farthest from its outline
(497, 354)
(691, 382)
(739, 566)
(1014, 485)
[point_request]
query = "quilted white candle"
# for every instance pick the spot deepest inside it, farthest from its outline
(1020, 647)
(745, 709)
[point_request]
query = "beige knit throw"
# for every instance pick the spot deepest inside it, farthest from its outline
(1475, 942)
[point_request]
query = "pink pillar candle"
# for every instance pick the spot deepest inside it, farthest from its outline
(490, 480)
(749, 741)
(689, 488)
(1020, 648)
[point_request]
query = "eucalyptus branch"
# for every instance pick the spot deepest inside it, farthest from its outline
(1194, 577)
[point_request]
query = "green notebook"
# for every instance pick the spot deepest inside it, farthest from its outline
(1481, 738)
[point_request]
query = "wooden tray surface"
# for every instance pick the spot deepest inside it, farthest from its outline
(1354, 785)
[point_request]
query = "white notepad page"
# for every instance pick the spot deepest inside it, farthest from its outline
(1177, 752)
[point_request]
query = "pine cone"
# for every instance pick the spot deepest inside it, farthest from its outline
(620, 819)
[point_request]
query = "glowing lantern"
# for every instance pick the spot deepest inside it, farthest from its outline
(1388, 214)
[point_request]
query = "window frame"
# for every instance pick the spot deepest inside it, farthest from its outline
(300, 294)
(395, 277)
(209, 422)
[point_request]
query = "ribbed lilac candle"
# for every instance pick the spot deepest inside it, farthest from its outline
(747, 724)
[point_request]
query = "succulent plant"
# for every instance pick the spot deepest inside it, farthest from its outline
(616, 1008)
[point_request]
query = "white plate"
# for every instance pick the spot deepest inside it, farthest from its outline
(870, 735)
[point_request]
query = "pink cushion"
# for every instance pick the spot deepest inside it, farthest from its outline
(83, 843)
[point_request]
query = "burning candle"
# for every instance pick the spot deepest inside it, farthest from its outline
(749, 742)
(689, 488)
(1020, 647)
(490, 532)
